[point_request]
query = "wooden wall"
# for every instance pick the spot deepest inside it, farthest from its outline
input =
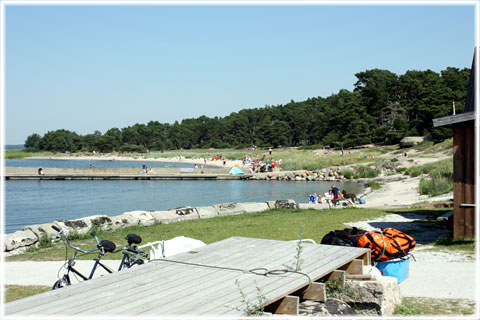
(464, 180)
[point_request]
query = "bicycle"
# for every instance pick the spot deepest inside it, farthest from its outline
(103, 247)
(132, 255)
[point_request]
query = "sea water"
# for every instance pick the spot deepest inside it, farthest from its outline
(54, 163)
(29, 202)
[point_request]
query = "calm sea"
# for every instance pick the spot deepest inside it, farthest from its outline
(33, 202)
(46, 163)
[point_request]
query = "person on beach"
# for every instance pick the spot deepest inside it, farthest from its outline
(40, 171)
(270, 151)
(335, 192)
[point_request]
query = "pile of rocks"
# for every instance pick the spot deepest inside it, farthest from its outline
(330, 174)
(378, 297)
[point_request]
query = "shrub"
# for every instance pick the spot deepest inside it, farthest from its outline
(45, 241)
(348, 174)
(374, 185)
(366, 172)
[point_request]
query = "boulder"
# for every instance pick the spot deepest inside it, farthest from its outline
(379, 297)
(407, 142)
(19, 239)
(282, 204)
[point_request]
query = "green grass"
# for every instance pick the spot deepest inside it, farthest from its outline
(441, 177)
(20, 154)
(15, 292)
(374, 185)
(279, 224)
(415, 306)
(464, 245)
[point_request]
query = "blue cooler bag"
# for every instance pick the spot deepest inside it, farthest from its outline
(398, 268)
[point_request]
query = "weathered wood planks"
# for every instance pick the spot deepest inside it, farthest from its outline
(201, 282)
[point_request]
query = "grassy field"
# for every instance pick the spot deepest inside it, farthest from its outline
(278, 224)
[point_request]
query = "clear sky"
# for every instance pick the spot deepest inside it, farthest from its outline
(87, 68)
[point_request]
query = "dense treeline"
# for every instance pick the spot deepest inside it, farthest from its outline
(382, 108)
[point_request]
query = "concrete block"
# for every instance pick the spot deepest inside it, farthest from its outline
(282, 204)
(45, 228)
(165, 217)
(318, 206)
(185, 213)
(19, 239)
(83, 225)
(228, 209)
(207, 212)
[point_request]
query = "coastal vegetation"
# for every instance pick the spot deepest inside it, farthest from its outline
(382, 108)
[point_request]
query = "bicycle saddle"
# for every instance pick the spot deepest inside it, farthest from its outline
(107, 245)
(133, 238)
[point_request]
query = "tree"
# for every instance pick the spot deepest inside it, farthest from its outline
(33, 142)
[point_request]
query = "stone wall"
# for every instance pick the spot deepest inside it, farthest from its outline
(19, 241)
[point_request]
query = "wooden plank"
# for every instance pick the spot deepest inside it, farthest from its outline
(458, 182)
(242, 264)
(287, 305)
(102, 286)
(469, 181)
(355, 266)
(360, 277)
(172, 288)
(337, 275)
(271, 263)
(315, 292)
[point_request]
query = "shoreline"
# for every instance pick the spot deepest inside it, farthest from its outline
(199, 161)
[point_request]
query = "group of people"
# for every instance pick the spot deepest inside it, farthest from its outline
(333, 194)
(260, 165)
(146, 170)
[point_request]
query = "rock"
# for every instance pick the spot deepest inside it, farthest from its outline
(299, 178)
(380, 296)
(282, 204)
(19, 239)
(407, 142)
(331, 307)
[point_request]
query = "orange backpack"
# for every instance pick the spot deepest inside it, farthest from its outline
(387, 244)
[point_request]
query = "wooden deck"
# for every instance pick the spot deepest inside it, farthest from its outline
(202, 282)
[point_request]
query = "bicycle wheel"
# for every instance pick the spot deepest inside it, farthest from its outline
(60, 283)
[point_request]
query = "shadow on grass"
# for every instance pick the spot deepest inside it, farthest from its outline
(422, 224)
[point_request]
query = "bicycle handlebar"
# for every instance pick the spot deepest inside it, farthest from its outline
(65, 235)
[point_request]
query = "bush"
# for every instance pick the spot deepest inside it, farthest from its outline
(374, 185)
(366, 172)
(45, 241)
(348, 174)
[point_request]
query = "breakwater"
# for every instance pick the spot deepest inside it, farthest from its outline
(19, 241)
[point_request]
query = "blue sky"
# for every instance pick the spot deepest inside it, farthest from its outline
(86, 68)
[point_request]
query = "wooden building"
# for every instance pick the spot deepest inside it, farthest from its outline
(465, 213)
